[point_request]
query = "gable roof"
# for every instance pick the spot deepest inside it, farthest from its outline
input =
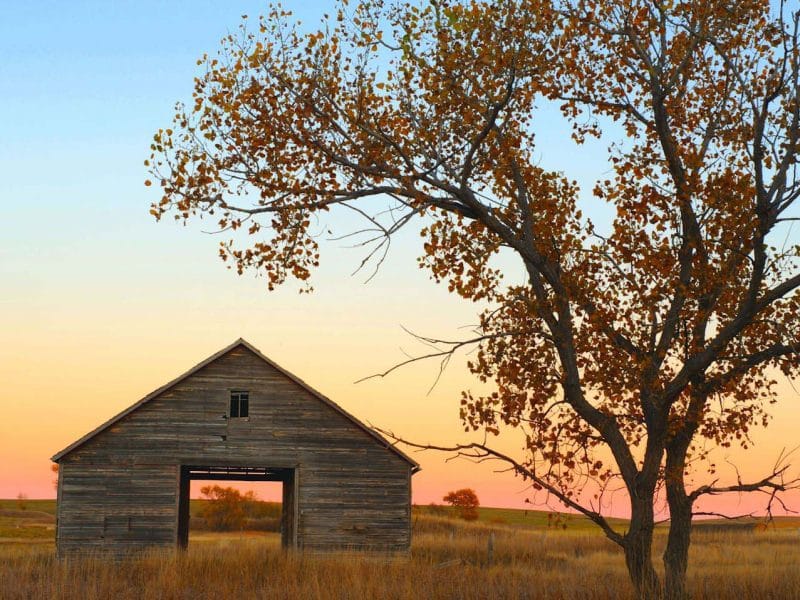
(240, 342)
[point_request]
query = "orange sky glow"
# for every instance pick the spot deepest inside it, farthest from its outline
(69, 364)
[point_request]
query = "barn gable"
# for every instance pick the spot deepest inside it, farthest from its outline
(237, 345)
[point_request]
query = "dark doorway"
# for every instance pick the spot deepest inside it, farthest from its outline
(286, 476)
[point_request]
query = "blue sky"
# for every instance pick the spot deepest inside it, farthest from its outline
(83, 86)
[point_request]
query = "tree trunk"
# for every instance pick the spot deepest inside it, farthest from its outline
(638, 551)
(676, 555)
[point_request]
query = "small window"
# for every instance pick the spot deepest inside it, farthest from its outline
(240, 404)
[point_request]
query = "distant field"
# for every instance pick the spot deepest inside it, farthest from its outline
(46, 506)
(449, 559)
(525, 519)
(27, 523)
(38, 516)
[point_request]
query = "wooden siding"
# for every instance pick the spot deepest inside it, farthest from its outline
(119, 490)
(116, 507)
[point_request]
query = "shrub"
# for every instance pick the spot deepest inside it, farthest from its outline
(466, 501)
(228, 509)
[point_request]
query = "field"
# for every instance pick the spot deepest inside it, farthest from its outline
(449, 559)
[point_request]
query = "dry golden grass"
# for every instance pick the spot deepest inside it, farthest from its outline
(448, 560)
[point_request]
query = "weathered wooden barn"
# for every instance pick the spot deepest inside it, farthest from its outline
(236, 416)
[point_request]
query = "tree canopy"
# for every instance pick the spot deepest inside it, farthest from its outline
(642, 341)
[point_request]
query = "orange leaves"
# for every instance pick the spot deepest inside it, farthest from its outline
(461, 254)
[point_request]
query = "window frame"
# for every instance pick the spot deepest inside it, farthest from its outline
(239, 398)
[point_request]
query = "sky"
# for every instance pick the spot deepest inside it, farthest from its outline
(99, 305)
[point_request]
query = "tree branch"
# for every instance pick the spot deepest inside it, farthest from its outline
(475, 451)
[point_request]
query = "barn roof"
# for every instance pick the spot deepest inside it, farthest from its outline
(244, 343)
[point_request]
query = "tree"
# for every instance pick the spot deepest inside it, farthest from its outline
(627, 348)
(466, 501)
(227, 507)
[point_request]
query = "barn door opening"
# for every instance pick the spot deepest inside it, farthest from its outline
(286, 476)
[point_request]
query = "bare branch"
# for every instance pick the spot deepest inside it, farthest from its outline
(773, 483)
(475, 451)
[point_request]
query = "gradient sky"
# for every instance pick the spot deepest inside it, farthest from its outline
(99, 305)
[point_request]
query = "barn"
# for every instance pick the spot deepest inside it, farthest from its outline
(236, 416)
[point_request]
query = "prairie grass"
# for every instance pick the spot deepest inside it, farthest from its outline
(449, 559)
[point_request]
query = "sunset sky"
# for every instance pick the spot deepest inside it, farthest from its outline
(99, 305)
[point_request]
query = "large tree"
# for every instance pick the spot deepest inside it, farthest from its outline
(626, 347)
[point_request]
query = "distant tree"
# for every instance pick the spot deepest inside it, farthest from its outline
(466, 501)
(227, 507)
(54, 470)
(22, 501)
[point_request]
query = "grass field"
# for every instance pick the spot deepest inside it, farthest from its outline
(449, 559)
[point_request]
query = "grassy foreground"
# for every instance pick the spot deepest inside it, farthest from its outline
(449, 559)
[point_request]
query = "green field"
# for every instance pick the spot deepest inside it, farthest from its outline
(35, 520)
(526, 519)
(45, 506)
(28, 520)
(38, 517)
